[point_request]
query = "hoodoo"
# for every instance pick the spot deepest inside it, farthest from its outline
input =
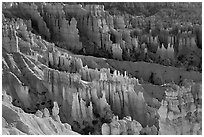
(130, 68)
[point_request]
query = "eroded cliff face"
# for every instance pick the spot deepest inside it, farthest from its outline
(16, 122)
(131, 38)
(90, 95)
(181, 110)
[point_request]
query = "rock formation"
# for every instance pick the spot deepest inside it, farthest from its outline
(166, 53)
(126, 126)
(180, 111)
(143, 78)
(16, 122)
(9, 38)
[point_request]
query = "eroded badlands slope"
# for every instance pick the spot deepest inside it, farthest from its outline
(56, 88)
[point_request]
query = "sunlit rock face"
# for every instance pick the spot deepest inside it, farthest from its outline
(143, 78)
(17, 122)
(9, 38)
(126, 126)
(181, 110)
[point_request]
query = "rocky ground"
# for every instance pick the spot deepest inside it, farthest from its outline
(102, 68)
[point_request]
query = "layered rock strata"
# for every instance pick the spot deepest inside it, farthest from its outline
(181, 111)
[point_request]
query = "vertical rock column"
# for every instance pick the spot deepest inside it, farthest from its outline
(32, 11)
(73, 37)
(117, 51)
(9, 39)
